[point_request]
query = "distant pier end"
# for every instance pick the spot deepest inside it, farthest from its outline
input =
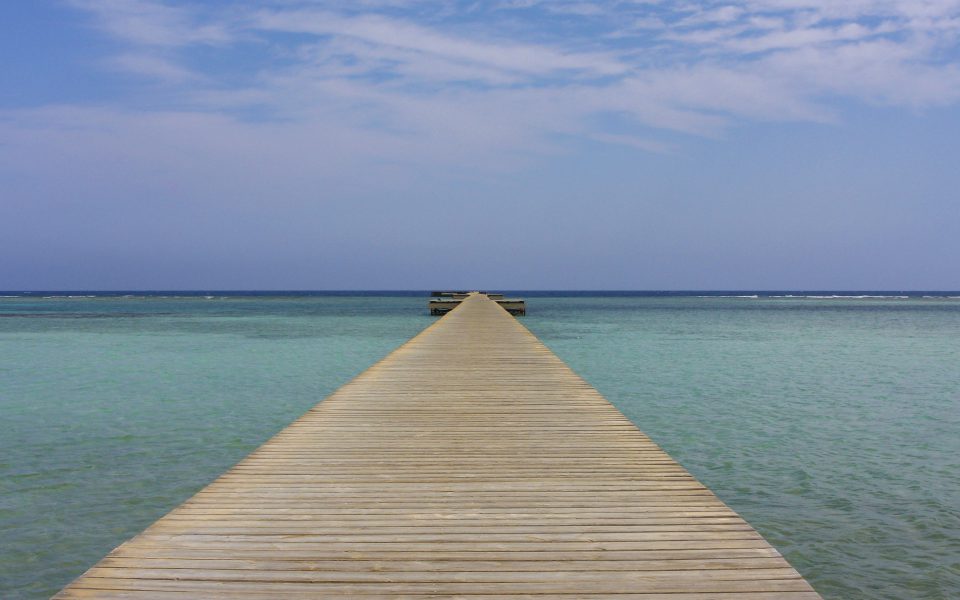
(441, 303)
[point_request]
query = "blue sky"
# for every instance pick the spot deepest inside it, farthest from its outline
(394, 144)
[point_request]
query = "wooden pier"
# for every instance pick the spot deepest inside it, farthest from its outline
(471, 463)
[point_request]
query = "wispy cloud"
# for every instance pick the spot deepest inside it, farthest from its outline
(473, 82)
(153, 66)
(407, 42)
(154, 23)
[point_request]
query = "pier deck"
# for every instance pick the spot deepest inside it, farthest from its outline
(471, 462)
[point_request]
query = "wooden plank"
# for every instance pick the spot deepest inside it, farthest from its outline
(470, 461)
(249, 594)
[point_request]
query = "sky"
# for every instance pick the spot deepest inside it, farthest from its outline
(509, 144)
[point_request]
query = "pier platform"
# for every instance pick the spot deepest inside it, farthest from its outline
(469, 463)
(441, 303)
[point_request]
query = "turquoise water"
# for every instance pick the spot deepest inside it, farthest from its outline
(832, 425)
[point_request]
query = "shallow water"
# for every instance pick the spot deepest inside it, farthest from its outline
(830, 424)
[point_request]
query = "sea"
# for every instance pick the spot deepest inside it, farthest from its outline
(829, 420)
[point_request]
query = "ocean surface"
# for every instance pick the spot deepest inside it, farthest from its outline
(830, 421)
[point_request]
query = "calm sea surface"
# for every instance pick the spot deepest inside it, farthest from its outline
(831, 424)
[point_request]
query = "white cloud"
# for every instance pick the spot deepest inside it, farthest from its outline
(153, 23)
(423, 79)
(405, 36)
(152, 66)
